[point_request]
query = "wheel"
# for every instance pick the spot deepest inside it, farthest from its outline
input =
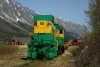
(59, 51)
(62, 50)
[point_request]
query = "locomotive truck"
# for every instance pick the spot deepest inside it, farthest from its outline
(48, 39)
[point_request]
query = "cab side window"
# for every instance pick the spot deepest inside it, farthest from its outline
(60, 31)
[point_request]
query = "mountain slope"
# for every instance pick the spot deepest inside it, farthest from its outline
(18, 20)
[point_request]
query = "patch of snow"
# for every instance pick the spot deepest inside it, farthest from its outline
(13, 24)
(26, 22)
(31, 15)
(37, 12)
(59, 17)
(7, 1)
(18, 13)
(7, 16)
(5, 19)
(15, 8)
(2, 17)
(18, 5)
(62, 19)
(65, 20)
(14, 3)
(31, 11)
(20, 28)
(15, 16)
(17, 19)
(20, 20)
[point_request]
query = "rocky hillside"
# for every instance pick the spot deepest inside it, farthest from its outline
(17, 20)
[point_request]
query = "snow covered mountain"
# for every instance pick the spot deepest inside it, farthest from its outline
(18, 20)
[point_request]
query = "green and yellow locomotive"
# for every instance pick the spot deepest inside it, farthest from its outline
(48, 38)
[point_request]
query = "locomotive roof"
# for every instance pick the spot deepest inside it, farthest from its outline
(44, 17)
(59, 27)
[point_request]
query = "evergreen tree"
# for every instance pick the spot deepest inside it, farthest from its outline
(93, 15)
(90, 57)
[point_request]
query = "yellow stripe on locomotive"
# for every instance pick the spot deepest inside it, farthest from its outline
(43, 27)
(59, 33)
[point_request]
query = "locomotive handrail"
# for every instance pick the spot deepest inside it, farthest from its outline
(56, 41)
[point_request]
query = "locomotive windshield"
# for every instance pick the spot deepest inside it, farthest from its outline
(41, 23)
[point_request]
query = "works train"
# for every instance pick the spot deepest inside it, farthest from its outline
(47, 40)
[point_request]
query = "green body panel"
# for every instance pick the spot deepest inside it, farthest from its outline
(34, 55)
(51, 54)
(39, 38)
(60, 41)
(44, 43)
(30, 48)
(43, 17)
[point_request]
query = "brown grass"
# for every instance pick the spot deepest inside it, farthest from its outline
(64, 60)
(11, 58)
(8, 49)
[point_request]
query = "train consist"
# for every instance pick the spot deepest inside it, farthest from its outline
(48, 39)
